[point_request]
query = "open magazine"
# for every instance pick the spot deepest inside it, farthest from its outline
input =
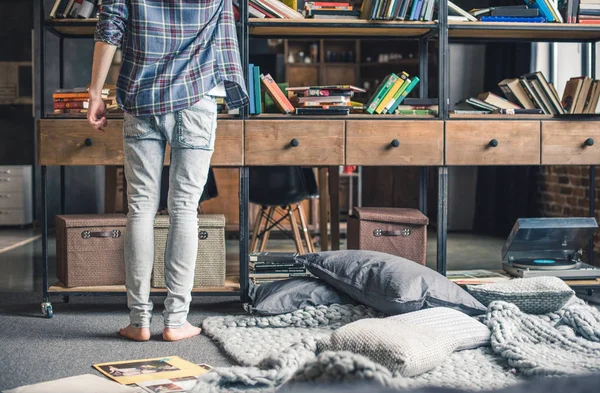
(158, 370)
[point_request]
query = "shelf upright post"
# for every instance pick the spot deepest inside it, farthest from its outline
(443, 94)
(423, 93)
(244, 42)
(592, 181)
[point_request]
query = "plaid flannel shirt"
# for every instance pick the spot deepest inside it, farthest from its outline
(174, 52)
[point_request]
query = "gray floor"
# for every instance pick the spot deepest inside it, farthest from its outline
(84, 331)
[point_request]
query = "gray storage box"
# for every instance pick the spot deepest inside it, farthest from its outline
(210, 262)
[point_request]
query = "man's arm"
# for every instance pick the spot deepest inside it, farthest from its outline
(109, 35)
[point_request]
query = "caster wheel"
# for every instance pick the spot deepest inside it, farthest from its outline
(65, 299)
(47, 310)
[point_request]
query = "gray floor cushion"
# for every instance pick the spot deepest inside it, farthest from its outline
(536, 295)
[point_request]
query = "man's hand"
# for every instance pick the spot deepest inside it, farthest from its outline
(103, 55)
(96, 114)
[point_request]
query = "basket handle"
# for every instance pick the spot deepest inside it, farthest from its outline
(112, 234)
(397, 232)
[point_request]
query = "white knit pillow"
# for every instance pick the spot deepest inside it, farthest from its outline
(536, 295)
(401, 347)
(467, 331)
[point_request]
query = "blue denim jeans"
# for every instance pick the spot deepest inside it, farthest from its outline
(191, 135)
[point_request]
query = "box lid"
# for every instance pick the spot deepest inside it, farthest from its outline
(391, 214)
(92, 220)
(550, 238)
(204, 221)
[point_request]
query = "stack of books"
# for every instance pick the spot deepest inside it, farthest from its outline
(77, 100)
(390, 94)
(528, 94)
(266, 267)
(325, 100)
(330, 10)
(418, 106)
(416, 10)
(589, 11)
(75, 9)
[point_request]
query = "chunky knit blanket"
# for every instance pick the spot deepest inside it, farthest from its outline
(278, 350)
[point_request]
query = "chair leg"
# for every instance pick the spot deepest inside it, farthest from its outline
(257, 224)
(309, 244)
(296, 232)
(265, 239)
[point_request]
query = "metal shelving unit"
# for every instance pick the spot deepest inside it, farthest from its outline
(442, 31)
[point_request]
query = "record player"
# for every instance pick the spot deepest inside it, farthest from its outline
(550, 247)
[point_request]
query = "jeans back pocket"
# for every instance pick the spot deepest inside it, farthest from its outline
(196, 125)
(138, 126)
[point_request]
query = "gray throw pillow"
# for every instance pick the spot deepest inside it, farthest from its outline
(388, 283)
(286, 296)
(535, 295)
(468, 332)
(401, 347)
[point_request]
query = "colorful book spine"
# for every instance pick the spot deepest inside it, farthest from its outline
(390, 94)
(251, 89)
(382, 90)
(405, 82)
(406, 92)
(257, 95)
(284, 105)
(544, 9)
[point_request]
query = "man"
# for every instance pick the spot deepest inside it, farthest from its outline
(177, 56)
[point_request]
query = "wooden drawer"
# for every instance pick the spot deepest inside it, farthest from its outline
(374, 142)
(271, 142)
(66, 142)
(492, 142)
(570, 143)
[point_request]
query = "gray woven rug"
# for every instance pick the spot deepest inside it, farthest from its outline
(273, 351)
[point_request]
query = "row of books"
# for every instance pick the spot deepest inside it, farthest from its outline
(566, 11)
(416, 10)
(533, 94)
(390, 93)
(267, 267)
(77, 100)
(75, 9)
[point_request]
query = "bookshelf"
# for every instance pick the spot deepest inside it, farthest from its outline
(425, 141)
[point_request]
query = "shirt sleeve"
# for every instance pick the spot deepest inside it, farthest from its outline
(112, 22)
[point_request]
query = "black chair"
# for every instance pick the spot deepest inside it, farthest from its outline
(279, 191)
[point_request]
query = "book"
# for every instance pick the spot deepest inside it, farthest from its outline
(409, 88)
(327, 93)
(583, 93)
(533, 94)
(480, 104)
(519, 11)
(275, 93)
(141, 370)
(590, 97)
(591, 108)
(365, 9)
(251, 92)
(329, 99)
(420, 112)
(393, 103)
(302, 89)
(381, 91)
(420, 101)
(87, 9)
(269, 256)
(389, 96)
(332, 110)
(58, 8)
(476, 276)
(74, 11)
(513, 91)
(548, 91)
(459, 11)
(547, 9)
(571, 93)
(257, 95)
(278, 275)
(520, 111)
(497, 101)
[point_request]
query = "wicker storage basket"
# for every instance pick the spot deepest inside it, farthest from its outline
(89, 249)
(396, 231)
(210, 261)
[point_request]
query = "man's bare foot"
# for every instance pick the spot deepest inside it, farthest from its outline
(135, 333)
(176, 334)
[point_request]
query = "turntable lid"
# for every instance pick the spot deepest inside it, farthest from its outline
(556, 238)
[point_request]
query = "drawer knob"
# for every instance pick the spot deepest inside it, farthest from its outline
(395, 143)
(88, 142)
(494, 143)
(589, 142)
(294, 142)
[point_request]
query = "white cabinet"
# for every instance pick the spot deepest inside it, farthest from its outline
(15, 195)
